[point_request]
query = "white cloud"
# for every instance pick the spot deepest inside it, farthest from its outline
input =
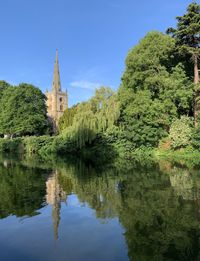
(86, 85)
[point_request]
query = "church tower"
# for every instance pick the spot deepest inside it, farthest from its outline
(57, 101)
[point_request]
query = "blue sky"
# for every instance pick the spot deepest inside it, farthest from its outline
(93, 38)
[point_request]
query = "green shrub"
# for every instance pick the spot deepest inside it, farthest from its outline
(10, 145)
(196, 138)
(37, 145)
(180, 133)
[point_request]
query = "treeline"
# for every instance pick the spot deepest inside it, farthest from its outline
(157, 104)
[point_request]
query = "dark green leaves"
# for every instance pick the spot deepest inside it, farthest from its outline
(23, 111)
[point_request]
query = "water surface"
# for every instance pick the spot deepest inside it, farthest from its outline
(71, 210)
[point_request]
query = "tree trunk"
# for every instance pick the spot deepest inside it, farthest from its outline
(197, 92)
(196, 70)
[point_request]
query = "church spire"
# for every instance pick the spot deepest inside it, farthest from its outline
(56, 76)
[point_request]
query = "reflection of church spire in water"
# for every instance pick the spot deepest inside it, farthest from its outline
(54, 196)
(56, 207)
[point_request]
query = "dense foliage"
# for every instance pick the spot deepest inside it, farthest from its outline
(154, 90)
(67, 118)
(91, 118)
(22, 110)
(180, 133)
(187, 37)
(157, 102)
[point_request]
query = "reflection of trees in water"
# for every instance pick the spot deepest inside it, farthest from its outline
(183, 184)
(22, 189)
(157, 206)
(159, 225)
(182, 180)
(99, 193)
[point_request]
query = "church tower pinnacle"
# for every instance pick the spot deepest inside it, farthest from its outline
(57, 101)
(56, 76)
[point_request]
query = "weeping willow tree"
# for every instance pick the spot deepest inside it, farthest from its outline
(93, 117)
(67, 118)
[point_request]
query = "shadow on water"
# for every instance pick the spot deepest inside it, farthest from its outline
(157, 205)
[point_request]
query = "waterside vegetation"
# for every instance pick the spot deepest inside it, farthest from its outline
(154, 113)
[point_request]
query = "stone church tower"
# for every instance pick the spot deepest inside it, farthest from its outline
(57, 101)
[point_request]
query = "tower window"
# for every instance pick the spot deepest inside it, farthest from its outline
(61, 107)
(61, 99)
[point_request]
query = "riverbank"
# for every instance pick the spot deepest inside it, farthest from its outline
(47, 146)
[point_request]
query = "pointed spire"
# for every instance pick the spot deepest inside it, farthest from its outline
(56, 76)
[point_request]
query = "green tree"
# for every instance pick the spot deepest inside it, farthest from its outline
(187, 36)
(154, 91)
(144, 120)
(149, 58)
(23, 111)
(66, 120)
(3, 86)
(93, 117)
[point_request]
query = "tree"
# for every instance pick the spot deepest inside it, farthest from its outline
(153, 56)
(187, 36)
(154, 91)
(23, 111)
(3, 86)
(93, 117)
(66, 120)
(144, 120)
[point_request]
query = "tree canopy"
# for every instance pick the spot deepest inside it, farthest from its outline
(187, 38)
(154, 90)
(92, 117)
(23, 111)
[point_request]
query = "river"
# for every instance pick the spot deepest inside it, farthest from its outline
(75, 210)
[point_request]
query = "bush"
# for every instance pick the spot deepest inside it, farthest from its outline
(196, 138)
(37, 145)
(10, 145)
(63, 145)
(180, 133)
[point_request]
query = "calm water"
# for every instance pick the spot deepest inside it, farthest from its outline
(77, 211)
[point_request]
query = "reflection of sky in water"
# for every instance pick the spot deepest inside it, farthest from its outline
(72, 201)
(78, 213)
(81, 236)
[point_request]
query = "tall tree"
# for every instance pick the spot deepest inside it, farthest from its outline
(187, 36)
(3, 86)
(23, 111)
(93, 117)
(154, 90)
